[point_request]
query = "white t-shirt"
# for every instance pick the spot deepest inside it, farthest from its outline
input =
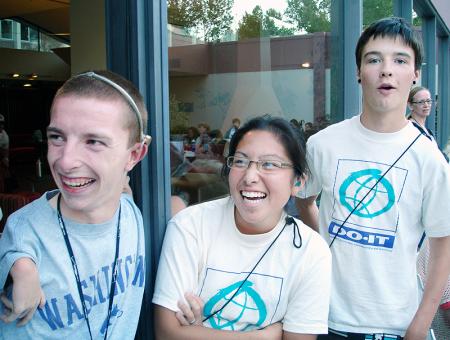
(204, 253)
(374, 273)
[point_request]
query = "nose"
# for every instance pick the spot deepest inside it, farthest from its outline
(68, 157)
(251, 173)
(386, 69)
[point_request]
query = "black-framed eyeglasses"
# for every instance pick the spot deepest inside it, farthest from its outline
(423, 102)
(263, 165)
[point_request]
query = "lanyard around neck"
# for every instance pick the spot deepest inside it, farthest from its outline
(62, 225)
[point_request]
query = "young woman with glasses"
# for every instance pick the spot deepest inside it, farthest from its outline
(420, 104)
(240, 267)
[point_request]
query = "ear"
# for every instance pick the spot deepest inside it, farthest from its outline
(299, 182)
(416, 75)
(410, 107)
(137, 153)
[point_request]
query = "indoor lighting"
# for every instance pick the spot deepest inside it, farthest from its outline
(15, 75)
(33, 76)
(27, 85)
(306, 65)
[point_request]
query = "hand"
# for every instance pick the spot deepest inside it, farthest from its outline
(414, 332)
(191, 313)
(27, 294)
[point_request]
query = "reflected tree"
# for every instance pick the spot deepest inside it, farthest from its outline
(314, 15)
(309, 15)
(259, 24)
(208, 19)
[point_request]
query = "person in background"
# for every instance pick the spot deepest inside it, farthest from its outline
(232, 130)
(203, 140)
(261, 273)
(420, 104)
(4, 146)
(79, 244)
(382, 184)
(191, 138)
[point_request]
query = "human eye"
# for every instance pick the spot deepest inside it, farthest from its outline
(95, 143)
(401, 61)
(55, 138)
(373, 60)
(270, 165)
(239, 162)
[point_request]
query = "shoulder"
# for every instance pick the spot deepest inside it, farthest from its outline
(31, 213)
(131, 210)
(208, 209)
(315, 243)
(332, 131)
(203, 214)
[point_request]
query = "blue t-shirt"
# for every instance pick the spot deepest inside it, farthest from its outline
(34, 232)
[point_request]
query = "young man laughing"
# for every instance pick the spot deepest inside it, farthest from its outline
(86, 238)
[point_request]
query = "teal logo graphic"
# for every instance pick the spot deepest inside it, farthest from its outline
(358, 184)
(246, 305)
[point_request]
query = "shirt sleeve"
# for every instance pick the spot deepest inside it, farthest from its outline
(16, 242)
(436, 203)
(308, 306)
(313, 184)
(179, 262)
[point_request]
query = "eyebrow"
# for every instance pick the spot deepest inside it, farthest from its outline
(53, 129)
(401, 54)
(105, 138)
(262, 156)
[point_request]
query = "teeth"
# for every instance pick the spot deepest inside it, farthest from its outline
(78, 183)
(253, 194)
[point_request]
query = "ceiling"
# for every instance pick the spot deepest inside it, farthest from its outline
(52, 16)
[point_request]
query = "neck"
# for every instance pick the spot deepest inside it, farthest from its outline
(85, 216)
(383, 122)
(419, 120)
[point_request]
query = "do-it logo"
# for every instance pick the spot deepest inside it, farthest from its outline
(361, 237)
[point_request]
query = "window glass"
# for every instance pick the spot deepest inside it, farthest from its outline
(18, 35)
(237, 60)
(376, 9)
(6, 29)
(24, 32)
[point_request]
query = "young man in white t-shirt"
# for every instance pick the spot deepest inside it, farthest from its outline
(382, 185)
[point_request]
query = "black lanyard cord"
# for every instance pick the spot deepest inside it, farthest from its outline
(77, 274)
(370, 190)
(288, 220)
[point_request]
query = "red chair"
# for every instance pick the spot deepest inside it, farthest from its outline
(13, 202)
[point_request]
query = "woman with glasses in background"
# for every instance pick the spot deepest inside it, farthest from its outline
(240, 267)
(420, 104)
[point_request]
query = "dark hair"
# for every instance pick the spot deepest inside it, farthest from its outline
(84, 85)
(285, 134)
(414, 91)
(391, 27)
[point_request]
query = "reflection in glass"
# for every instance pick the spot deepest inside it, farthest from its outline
(235, 60)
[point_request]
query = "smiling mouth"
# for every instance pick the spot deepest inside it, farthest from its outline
(78, 183)
(253, 195)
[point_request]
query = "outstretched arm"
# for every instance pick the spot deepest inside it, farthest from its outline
(27, 294)
(438, 271)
